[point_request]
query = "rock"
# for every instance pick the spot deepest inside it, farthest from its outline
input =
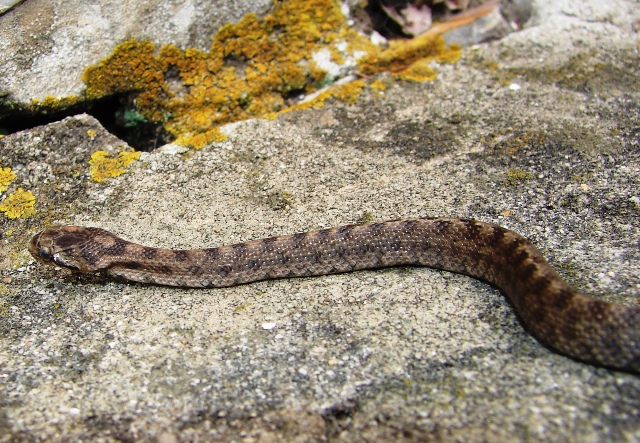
(537, 132)
(45, 46)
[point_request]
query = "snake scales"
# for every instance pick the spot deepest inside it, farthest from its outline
(570, 322)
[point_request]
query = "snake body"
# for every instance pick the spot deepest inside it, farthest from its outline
(568, 321)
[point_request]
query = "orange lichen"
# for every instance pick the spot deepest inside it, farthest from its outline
(252, 68)
(451, 55)
(6, 177)
(379, 85)
(346, 93)
(51, 103)
(103, 166)
(420, 71)
(18, 204)
(349, 92)
(199, 141)
(401, 54)
(133, 66)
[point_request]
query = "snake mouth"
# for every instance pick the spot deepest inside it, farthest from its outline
(58, 262)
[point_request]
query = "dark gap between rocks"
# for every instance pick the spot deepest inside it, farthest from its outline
(114, 113)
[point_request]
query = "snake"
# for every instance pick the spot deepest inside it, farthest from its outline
(564, 319)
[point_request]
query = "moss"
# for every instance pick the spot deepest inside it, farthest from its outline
(578, 70)
(251, 69)
(18, 204)
(516, 176)
(103, 167)
(506, 141)
(365, 218)
(281, 200)
(131, 118)
(6, 177)
(242, 307)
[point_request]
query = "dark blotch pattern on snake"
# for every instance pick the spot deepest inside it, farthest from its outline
(570, 322)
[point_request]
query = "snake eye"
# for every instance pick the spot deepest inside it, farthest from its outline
(45, 254)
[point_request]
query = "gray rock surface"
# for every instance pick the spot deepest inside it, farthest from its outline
(538, 133)
(6, 5)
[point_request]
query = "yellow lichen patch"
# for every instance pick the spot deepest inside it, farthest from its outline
(401, 55)
(451, 55)
(199, 141)
(379, 85)
(252, 69)
(349, 92)
(103, 166)
(420, 71)
(6, 177)
(133, 66)
(18, 204)
(346, 93)
(50, 103)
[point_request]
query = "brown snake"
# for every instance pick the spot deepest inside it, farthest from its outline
(570, 322)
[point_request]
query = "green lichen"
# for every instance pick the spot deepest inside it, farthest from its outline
(580, 70)
(577, 71)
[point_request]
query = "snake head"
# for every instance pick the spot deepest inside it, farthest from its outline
(63, 246)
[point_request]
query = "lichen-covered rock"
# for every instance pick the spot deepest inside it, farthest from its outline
(45, 46)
